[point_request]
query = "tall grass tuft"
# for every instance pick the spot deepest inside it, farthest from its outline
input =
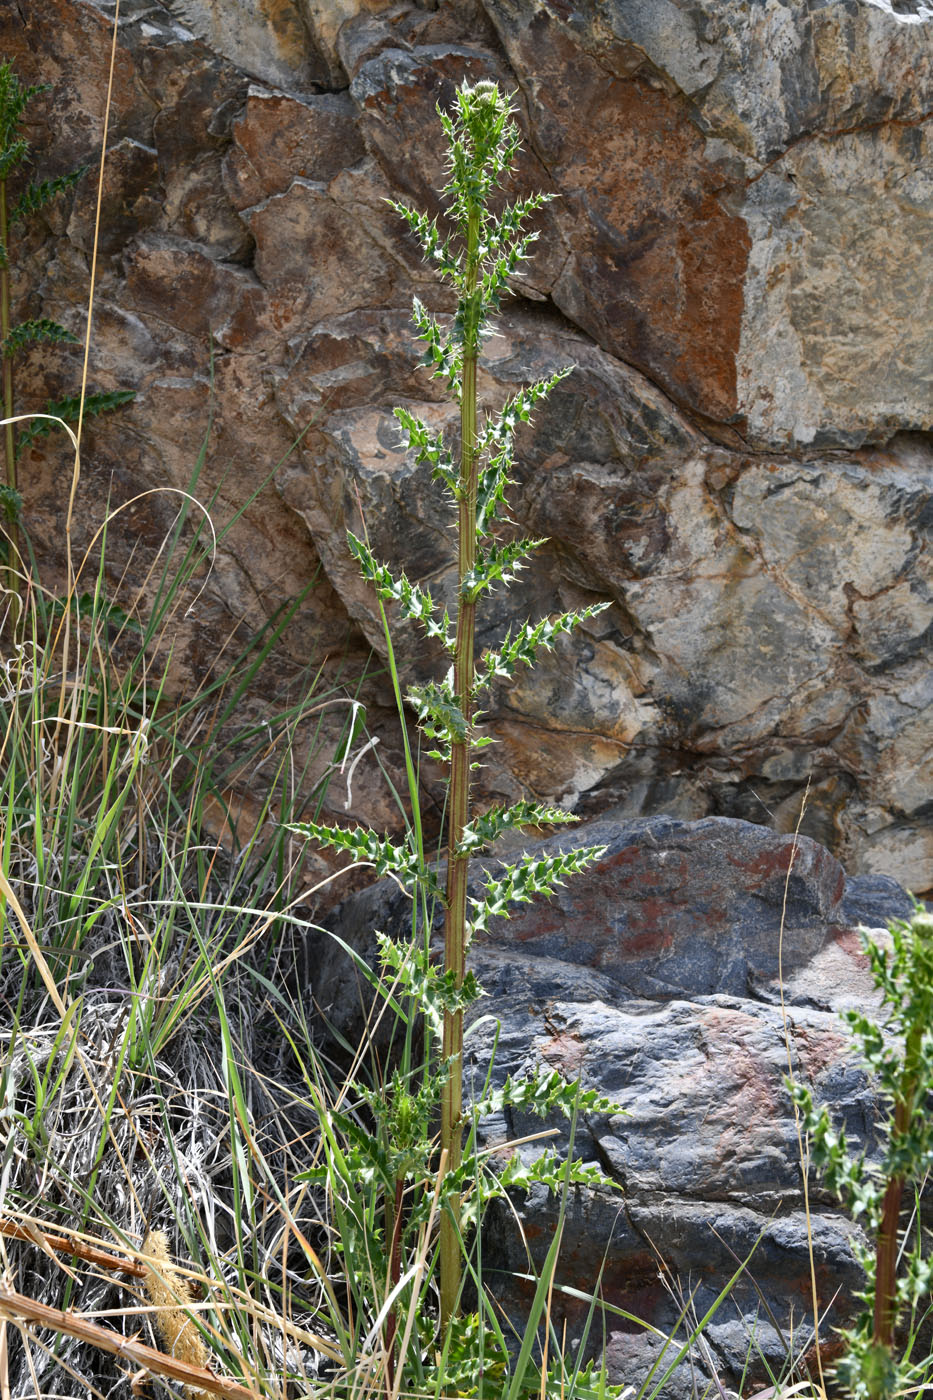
(145, 958)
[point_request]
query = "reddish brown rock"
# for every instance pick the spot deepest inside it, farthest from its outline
(656, 257)
(278, 139)
(741, 201)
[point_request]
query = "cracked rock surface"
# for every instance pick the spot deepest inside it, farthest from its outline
(738, 264)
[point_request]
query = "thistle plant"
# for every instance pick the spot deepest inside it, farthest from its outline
(476, 252)
(35, 196)
(899, 1053)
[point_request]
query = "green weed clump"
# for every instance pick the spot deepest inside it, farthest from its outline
(880, 1361)
(33, 197)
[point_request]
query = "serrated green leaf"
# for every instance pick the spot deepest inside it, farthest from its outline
(486, 828)
(67, 409)
(429, 447)
(443, 354)
(36, 196)
(14, 99)
(551, 1171)
(495, 446)
(497, 564)
(439, 712)
(13, 155)
(29, 332)
(415, 603)
(11, 504)
(523, 647)
(547, 1092)
(368, 848)
(436, 248)
(434, 988)
(520, 882)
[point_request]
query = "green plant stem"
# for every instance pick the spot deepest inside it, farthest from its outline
(9, 434)
(395, 1273)
(9, 442)
(458, 865)
(886, 1243)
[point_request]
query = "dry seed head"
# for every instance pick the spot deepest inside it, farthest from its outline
(169, 1293)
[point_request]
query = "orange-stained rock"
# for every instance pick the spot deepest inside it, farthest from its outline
(736, 262)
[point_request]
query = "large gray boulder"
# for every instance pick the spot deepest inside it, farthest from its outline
(656, 976)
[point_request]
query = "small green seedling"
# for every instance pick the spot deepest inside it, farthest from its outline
(898, 1050)
(476, 252)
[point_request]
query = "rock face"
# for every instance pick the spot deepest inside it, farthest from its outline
(655, 976)
(737, 264)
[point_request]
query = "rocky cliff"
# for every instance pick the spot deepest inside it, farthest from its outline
(738, 265)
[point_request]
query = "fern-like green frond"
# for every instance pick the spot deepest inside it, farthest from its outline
(67, 409)
(31, 332)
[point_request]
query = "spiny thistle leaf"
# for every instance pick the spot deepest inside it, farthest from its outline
(67, 409)
(42, 192)
(496, 447)
(437, 249)
(523, 647)
(547, 1092)
(369, 849)
(29, 332)
(444, 353)
(849, 1178)
(434, 989)
(509, 223)
(498, 564)
(508, 247)
(474, 1360)
(11, 504)
(588, 1383)
(414, 602)
(440, 714)
(549, 1170)
(12, 156)
(14, 99)
(532, 875)
(429, 447)
(486, 828)
(519, 408)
